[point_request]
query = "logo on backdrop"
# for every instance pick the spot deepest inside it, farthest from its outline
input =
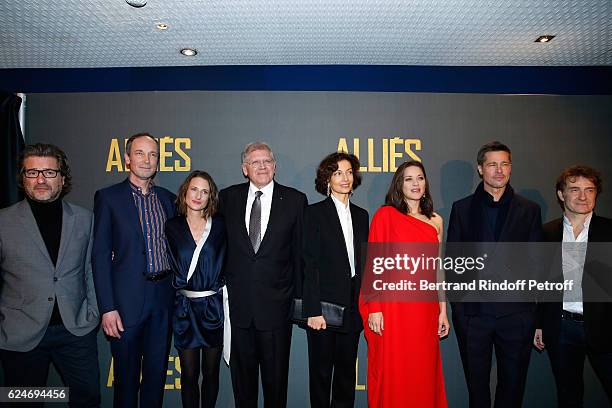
(381, 155)
(173, 155)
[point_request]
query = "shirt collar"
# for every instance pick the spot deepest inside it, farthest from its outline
(587, 221)
(339, 204)
(138, 190)
(266, 190)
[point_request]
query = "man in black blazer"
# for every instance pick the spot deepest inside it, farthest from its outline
(578, 326)
(263, 263)
(494, 213)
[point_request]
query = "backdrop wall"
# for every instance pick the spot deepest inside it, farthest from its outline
(207, 130)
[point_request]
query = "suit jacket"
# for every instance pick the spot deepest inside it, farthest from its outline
(118, 256)
(598, 332)
(31, 283)
(523, 223)
(261, 285)
(327, 272)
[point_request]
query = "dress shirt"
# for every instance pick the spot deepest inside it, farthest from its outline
(266, 204)
(346, 222)
(152, 219)
(573, 262)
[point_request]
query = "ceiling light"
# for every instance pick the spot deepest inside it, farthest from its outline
(544, 38)
(136, 3)
(189, 52)
(161, 26)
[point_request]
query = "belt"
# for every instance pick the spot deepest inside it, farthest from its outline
(197, 294)
(577, 317)
(154, 277)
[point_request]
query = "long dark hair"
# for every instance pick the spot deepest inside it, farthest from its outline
(395, 195)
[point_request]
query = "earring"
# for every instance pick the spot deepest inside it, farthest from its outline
(328, 189)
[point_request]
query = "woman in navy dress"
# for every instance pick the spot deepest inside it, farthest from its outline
(197, 244)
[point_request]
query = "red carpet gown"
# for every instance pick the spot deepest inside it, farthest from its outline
(404, 364)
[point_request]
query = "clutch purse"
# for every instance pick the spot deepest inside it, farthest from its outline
(332, 313)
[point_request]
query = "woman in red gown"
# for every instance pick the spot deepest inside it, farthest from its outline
(404, 361)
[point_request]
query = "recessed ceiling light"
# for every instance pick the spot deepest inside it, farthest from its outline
(161, 26)
(136, 3)
(189, 52)
(544, 38)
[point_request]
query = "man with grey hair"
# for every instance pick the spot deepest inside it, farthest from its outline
(48, 310)
(263, 263)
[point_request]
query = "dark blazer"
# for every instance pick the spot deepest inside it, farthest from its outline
(261, 285)
(523, 224)
(118, 255)
(598, 331)
(327, 272)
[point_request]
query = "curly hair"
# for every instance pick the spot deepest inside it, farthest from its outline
(329, 165)
(395, 195)
(46, 150)
(213, 196)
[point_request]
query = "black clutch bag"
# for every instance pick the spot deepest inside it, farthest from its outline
(332, 313)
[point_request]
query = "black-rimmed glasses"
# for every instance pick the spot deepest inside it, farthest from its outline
(34, 173)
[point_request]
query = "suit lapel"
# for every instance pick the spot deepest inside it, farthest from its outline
(508, 221)
(241, 200)
(68, 220)
(131, 210)
(276, 211)
(594, 233)
(29, 224)
(356, 243)
(332, 216)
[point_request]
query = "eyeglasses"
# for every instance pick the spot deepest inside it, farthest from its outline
(34, 173)
(259, 163)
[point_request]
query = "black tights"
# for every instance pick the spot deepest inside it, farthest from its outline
(190, 375)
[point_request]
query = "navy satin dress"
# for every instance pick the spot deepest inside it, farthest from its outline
(197, 322)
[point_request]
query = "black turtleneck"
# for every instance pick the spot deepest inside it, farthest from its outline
(495, 212)
(48, 217)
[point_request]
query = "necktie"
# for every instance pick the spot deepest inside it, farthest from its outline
(255, 222)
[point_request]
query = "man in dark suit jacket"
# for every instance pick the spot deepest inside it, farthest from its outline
(48, 310)
(263, 262)
(578, 326)
(131, 274)
(494, 213)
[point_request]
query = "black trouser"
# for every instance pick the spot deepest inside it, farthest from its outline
(567, 355)
(329, 352)
(267, 350)
(512, 337)
(76, 360)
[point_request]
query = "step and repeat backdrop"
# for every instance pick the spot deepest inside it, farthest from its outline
(208, 130)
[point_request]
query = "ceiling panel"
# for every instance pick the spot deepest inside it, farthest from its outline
(110, 33)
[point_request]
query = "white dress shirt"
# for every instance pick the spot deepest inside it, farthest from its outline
(266, 204)
(346, 222)
(574, 253)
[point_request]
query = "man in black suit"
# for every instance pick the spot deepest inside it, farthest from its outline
(264, 260)
(494, 213)
(578, 326)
